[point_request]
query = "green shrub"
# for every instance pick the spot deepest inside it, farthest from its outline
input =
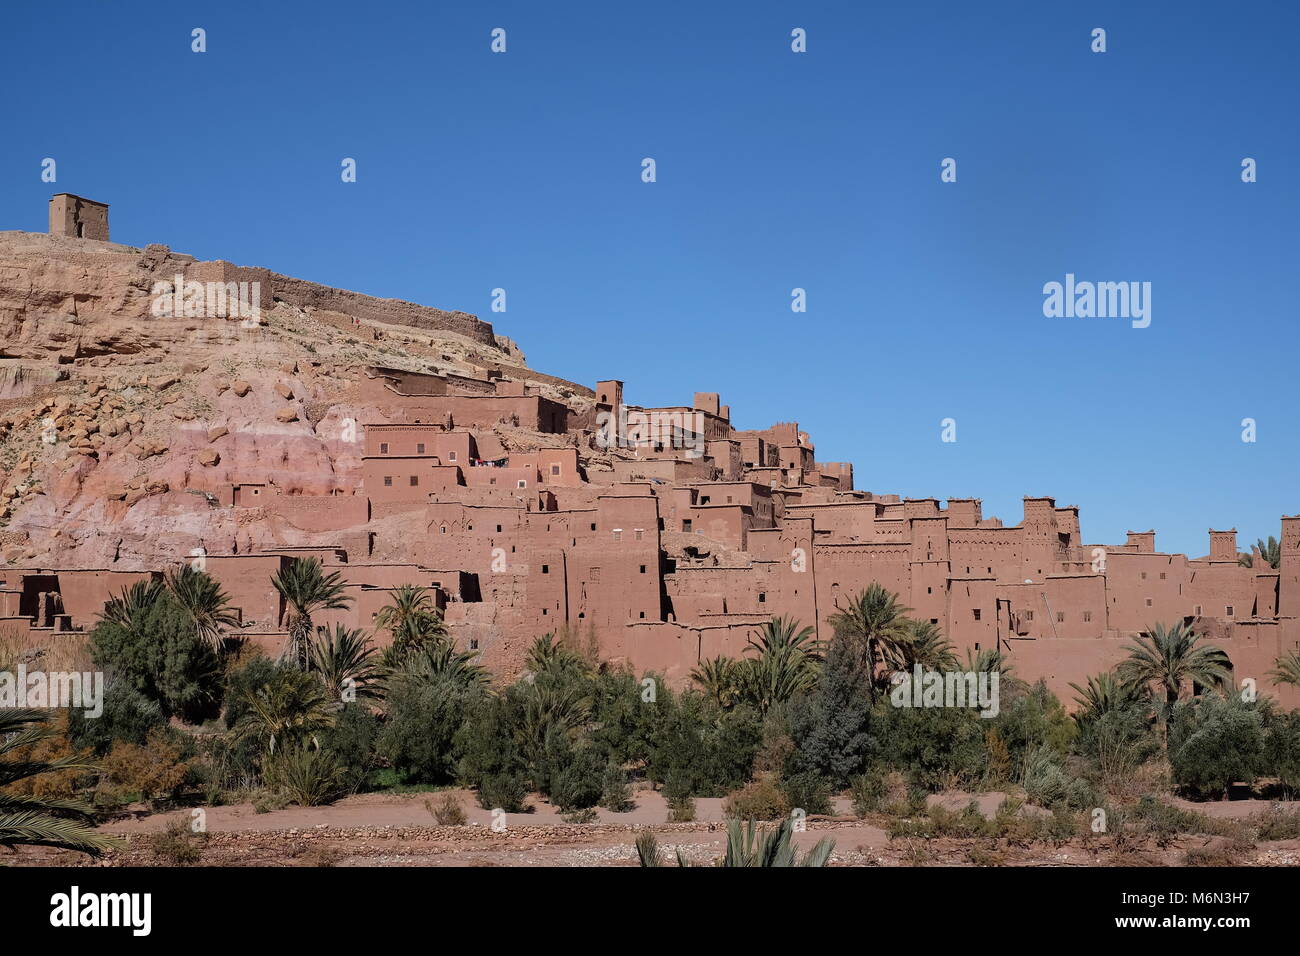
(579, 784)
(162, 658)
(1214, 743)
(615, 791)
(760, 799)
(418, 737)
(308, 775)
(868, 790)
(808, 791)
(681, 810)
(502, 791)
(832, 727)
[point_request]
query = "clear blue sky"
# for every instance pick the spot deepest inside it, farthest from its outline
(775, 170)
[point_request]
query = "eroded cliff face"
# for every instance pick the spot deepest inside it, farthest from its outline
(121, 429)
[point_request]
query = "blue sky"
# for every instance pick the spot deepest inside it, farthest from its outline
(775, 170)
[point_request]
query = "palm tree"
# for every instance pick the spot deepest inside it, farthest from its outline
(412, 618)
(787, 662)
(750, 845)
(441, 661)
(306, 589)
(1286, 669)
(927, 646)
(548, 653)
(987, 660)
(33, 820)
(720, 678)
(344, 661)
(289, 709)
(1270, 552)
(877, 625)
(1169, 657)
(747, 845)
(1103, 694)
(204, 600)
(128, 608)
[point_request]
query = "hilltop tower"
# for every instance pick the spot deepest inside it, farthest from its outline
(78, 218)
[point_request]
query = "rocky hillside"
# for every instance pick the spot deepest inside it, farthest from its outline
(117, 424)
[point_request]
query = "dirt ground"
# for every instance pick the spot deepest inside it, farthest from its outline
(400, 830)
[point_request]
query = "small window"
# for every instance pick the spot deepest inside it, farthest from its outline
(1029, 615)
(643, 569)
(762, 597)
(419, 448)
(1198, 610)
(1229, 610)
(498, 529)
(1162, 575)
(686, 525)
(593, 526)
(1148, 602)
(1087, 616)
(451, 456)
(415, 480)
(546, 569)
(522, 483)
(618, 534)
(383, 448)
(1144, 575)
(639, 533)
(1060, 617)
(704, 499)
(473, 643)
(934, 620)
(388, 481)
(555, 469)
(976, 613)
(642, 614)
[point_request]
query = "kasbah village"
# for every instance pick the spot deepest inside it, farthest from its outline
(157, 411)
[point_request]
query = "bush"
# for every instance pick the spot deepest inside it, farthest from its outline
(153, 770)
(1043, 778)
(423, 719)
(488, 756)
(681, 810)
(163, 659)
(579, 783)
(308, 775)
(447, 811)
(354, 741)
(128, 716)
(615, 791)
(808, 791)
(502, 791)
(832, 728)
(268, 801)
(701, 749)
(867, 791)
(1214, 743)
(179, 844)
(760, 799)
(939, 748)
